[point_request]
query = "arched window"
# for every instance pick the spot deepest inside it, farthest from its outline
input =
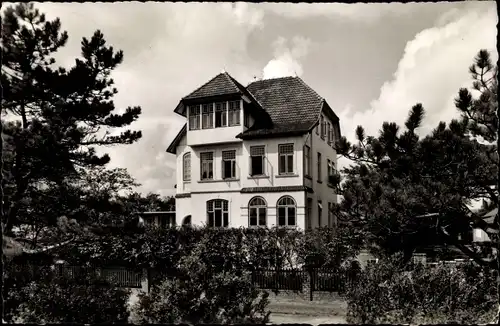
(287, 211)
(186, 167)
(186, 221)
(218, 213)
(257, 212)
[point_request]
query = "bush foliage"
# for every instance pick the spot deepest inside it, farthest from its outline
(205, 289)
(45, 297)
(390, 292)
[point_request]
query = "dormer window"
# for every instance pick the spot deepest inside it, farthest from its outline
(194, 117)
(234, 113)
(220, 114)
(207, 116)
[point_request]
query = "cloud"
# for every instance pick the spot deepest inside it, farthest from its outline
(433, 68)
(363, 12)
(286, 60)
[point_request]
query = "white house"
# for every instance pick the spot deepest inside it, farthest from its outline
(255, 156)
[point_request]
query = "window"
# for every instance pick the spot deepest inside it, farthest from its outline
(257, 212)
(218, 213)
(331, 221)
(229, 164)
(319, 167)
(285, 164)
(186, 167)
(331, 169)
(309, 212)
(307, 160)
(320, 212)
(194, 117)
(331, 135)
(234, 113)
(220, 114)
(328, 133)
(287, 211)
(246, 120)
(322, 120)
(207, 166)
(257, 160)
(317, 128)
(208, 116)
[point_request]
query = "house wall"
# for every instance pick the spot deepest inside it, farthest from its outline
(272, 179)
(322, 190)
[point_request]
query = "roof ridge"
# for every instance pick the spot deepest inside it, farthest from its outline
(264, 80)
(245, 88)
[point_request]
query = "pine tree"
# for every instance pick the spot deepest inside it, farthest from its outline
(409, 192)
(56, 117)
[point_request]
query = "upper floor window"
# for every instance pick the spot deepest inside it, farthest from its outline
(207, 165)
(218, 213)
(307, 160)
(319, 167)
(331, 169)
(186, 167)
(207, 116)
(257, 160)
(322, 124)
(220, 114)
(287, 211)
(234, 113)
(285, 164)
(328, 133)
(229, 164)
(331, 134)
(257, 212)
(194, 117)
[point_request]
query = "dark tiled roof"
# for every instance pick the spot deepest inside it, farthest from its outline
(222, 84)
(275, 189)
(291, 104)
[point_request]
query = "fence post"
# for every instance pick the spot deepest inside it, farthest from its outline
(145, 280)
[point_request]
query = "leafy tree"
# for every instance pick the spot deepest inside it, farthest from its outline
(408, 192)
(60, 115)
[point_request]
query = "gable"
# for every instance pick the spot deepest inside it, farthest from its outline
(173, 145)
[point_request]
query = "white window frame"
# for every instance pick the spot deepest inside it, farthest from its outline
(186, 167)
(260, 208)
(287, 169)
(222, 108)
(194, 120)
(207, 116)
(286, 206)
(212, 208)
(320, 158)
(234, 113)
(201, 166)
(307, 161)
(233, 164)
(263, 161)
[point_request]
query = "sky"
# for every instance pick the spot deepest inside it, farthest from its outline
(371, 62)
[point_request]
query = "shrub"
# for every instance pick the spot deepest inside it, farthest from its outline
(53, 299)
(390, 293)
(206, 289)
